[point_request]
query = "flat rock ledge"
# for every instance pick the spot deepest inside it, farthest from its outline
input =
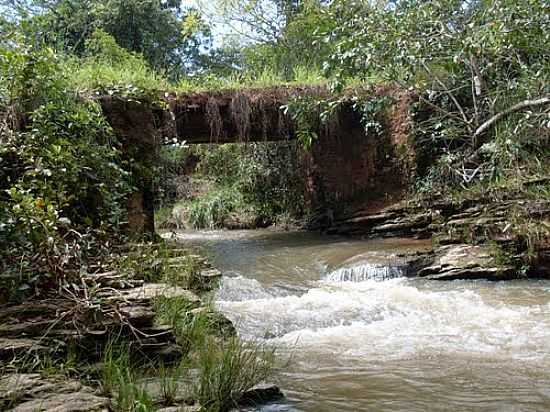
(33, 393)
(149, 291)
(127, 308)
(464, 261)
(124, 312)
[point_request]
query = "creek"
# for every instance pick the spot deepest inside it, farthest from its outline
(356, 334)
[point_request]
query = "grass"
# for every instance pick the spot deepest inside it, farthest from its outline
(210, 211)
(188, 328)
(191, 325)
(162, 216)
(171, 382)
(228, 369)
(135, 79)
(226, 366)
(268, 78)
(158, 262)
(120, 380)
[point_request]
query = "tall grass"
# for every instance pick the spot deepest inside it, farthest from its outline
(190, 328)
(229, 369)
(134, 78)
(268, 77)
(153, 263)
(210, 211)
(119, 380)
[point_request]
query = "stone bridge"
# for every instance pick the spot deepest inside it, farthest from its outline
(345, 165)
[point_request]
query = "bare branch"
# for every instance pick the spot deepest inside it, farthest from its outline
(451, 95)
(517, 107)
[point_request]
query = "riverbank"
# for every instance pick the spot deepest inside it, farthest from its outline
(495, 235)
(139, 336)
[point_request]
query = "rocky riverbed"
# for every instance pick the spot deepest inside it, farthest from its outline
(41, 334)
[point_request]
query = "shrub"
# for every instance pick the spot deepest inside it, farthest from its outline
(255, 180)
(109, 68)
(62, 183)
(213, 209)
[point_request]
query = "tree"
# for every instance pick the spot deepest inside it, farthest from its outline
(474, 64)
(169, 37)
(277, 35)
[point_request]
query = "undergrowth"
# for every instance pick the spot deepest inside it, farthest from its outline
(234, 185)
(159, 262)
(215, 370)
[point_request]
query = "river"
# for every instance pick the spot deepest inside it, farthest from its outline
(355, 334)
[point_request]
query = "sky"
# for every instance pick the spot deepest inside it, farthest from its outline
(219, 30)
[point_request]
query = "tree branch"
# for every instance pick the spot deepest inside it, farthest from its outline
(519, 106)
(451, 95)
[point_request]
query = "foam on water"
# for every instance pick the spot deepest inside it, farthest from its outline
(372, 319)
(355, 343)
(239, 288)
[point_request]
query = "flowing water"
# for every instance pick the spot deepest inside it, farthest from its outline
(358, 335)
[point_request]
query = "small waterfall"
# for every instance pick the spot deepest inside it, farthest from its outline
(366, 271)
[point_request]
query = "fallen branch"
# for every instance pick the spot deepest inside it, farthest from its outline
(519, 106)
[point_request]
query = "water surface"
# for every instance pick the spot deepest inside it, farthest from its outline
(360, 336)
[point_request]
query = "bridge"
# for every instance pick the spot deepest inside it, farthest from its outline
(345, 165)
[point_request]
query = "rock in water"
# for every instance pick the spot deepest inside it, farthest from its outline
(466, 262)
(259, 394)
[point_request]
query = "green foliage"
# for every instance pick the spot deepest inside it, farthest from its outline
(371, 110)
(265, 176)
(158, 262)
(119, 379)
(169, 37)
(287, 39)
(62, 184)
(313, 115)
(108, 68)
(257, 181)
(468, 62)
(304, 110)
(212, 210)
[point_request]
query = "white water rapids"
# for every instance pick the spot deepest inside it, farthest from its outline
(359, 336)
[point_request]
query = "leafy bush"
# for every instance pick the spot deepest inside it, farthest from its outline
(245, 184)
(481, 71)
(266, 175)
(212, 210)
(62, 183)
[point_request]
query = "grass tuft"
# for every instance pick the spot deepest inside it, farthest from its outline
(120, 380)
(230, 368)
